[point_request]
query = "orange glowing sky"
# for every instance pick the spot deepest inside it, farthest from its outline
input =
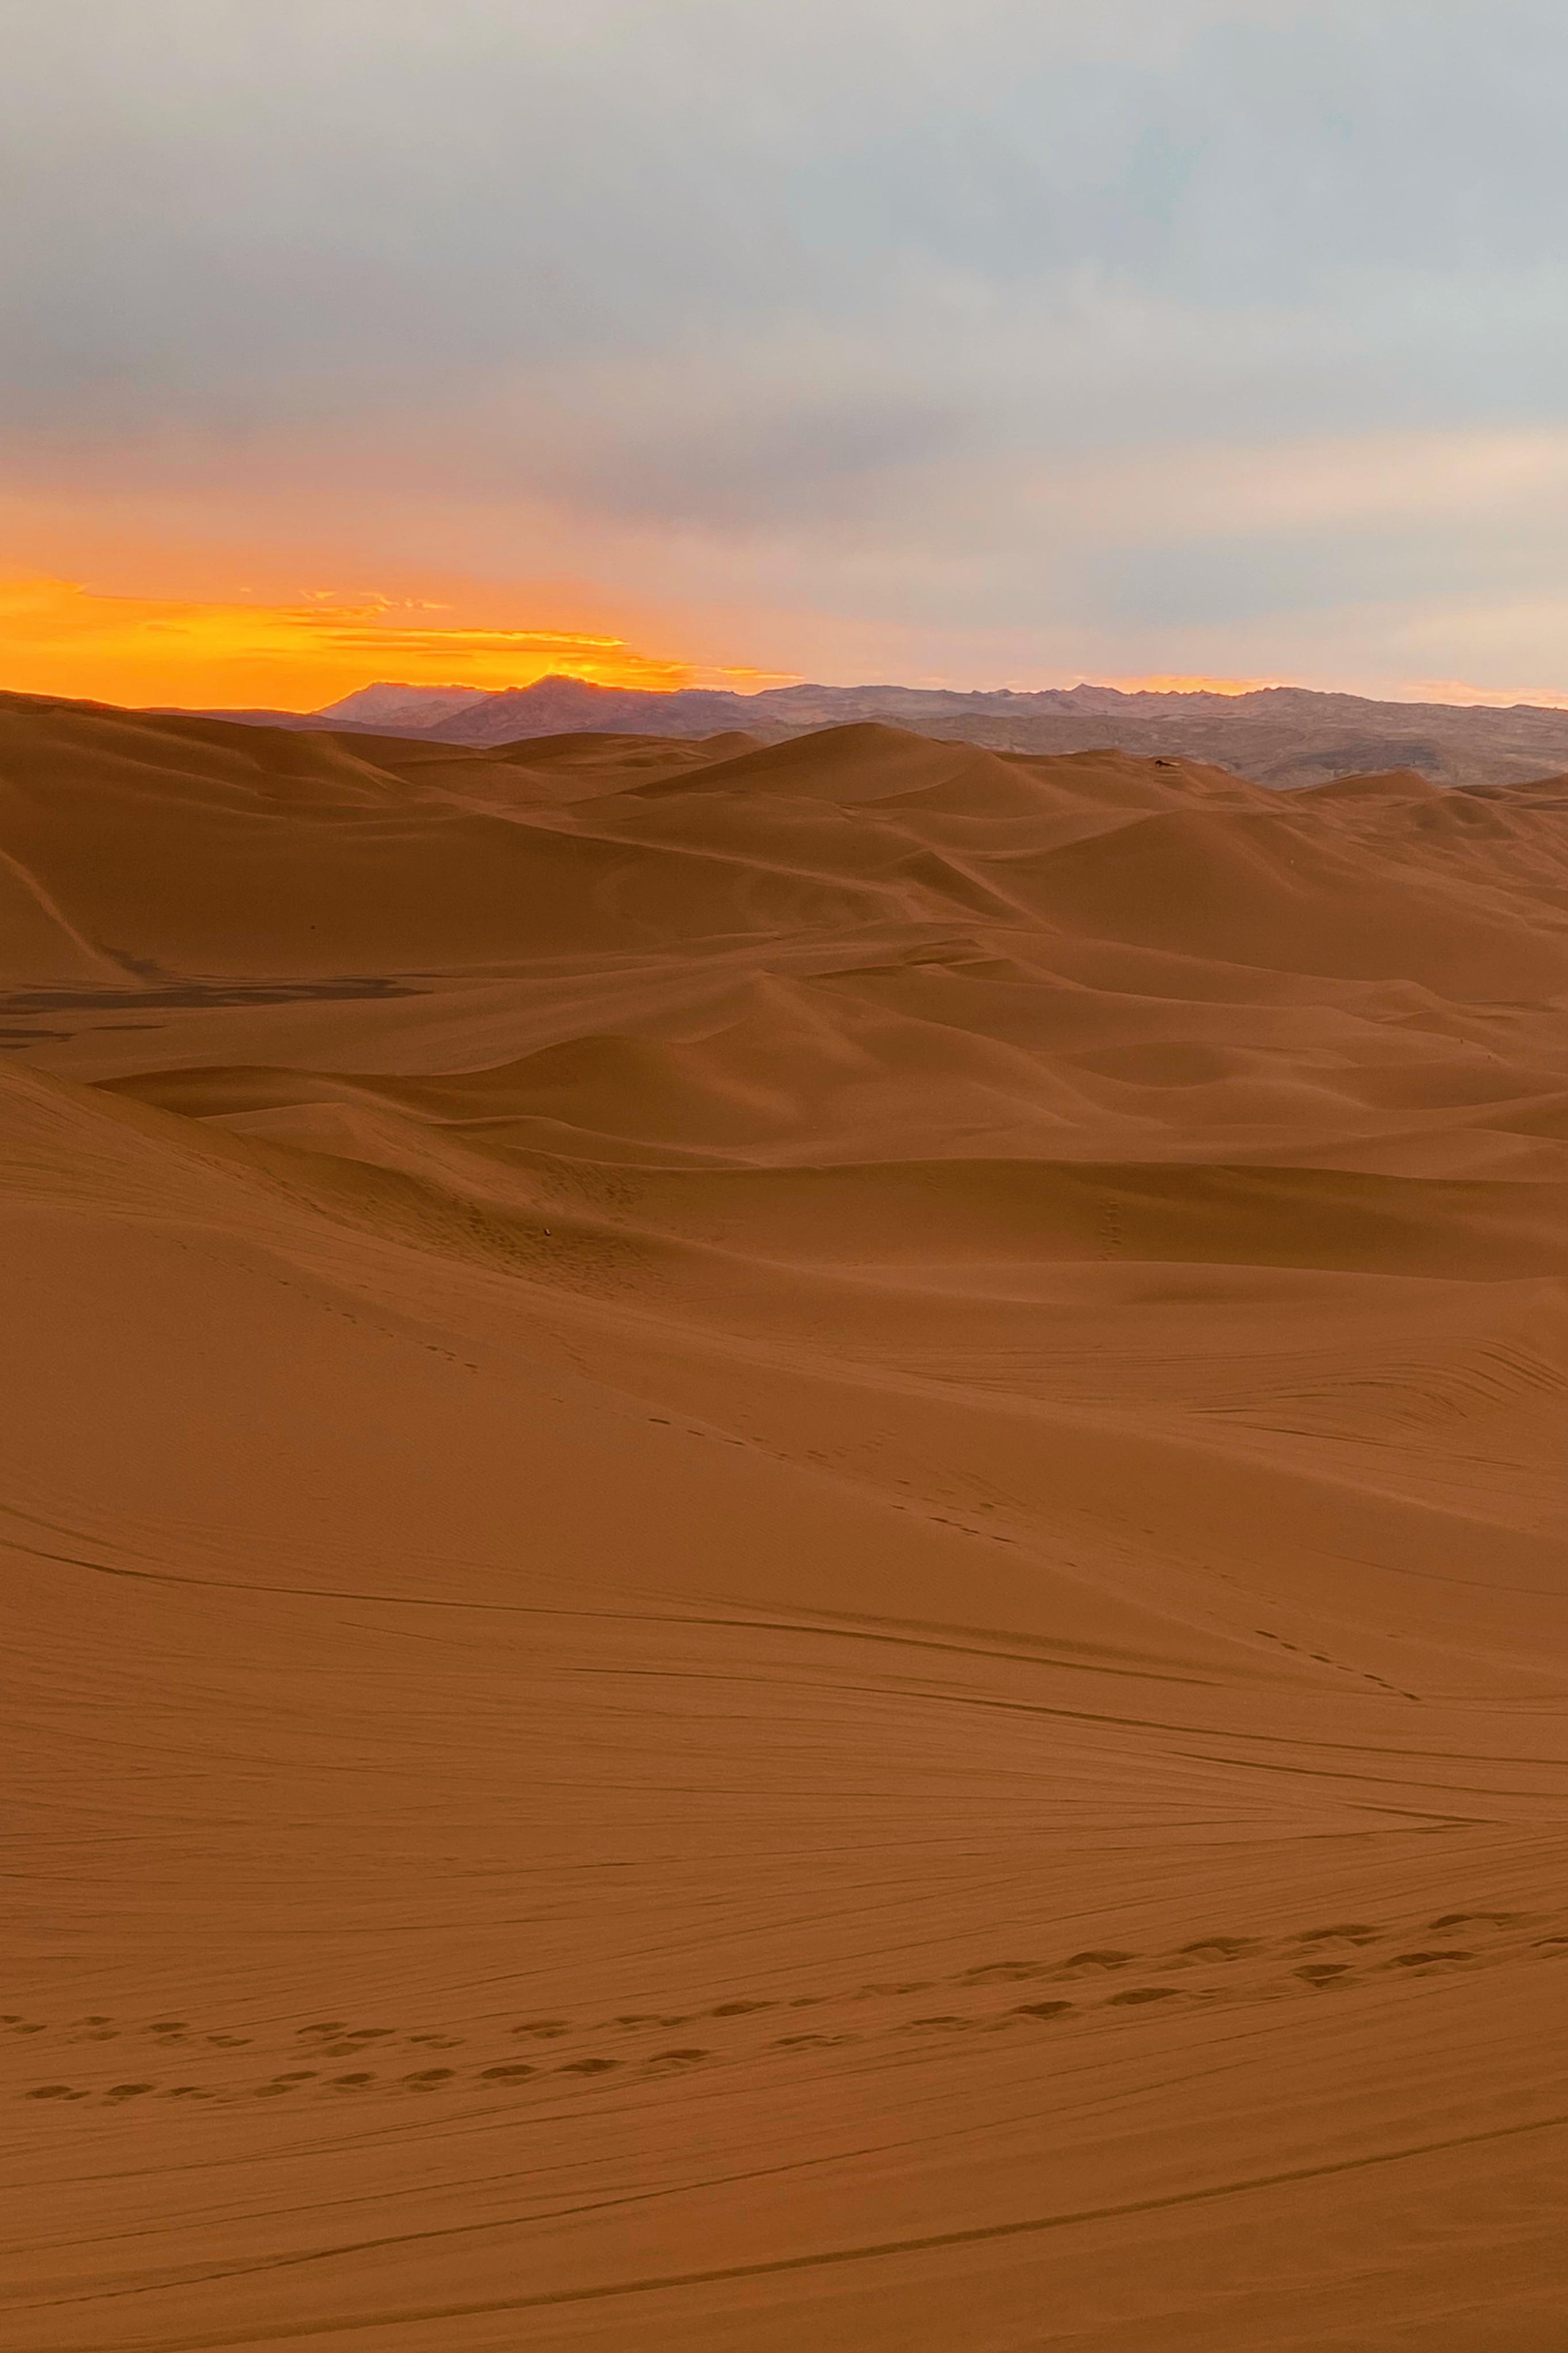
(458, 343)
(251, 652)
(59, 637)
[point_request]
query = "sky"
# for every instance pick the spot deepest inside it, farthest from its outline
(661, 341)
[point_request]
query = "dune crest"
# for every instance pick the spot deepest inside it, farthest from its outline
(787, 1536)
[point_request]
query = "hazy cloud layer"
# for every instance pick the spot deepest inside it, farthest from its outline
(999, 340)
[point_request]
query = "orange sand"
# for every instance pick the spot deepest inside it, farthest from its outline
(785, 1539)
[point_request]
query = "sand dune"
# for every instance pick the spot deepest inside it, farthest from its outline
(1280, 736)
(787, 1536)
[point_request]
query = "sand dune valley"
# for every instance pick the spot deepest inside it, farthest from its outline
(784, 1532)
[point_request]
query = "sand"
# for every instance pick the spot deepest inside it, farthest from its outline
(1286, 736)
(785, 1539)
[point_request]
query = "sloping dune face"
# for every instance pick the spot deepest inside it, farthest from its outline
(786, 1533)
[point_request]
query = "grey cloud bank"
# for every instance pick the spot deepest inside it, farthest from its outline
(991, 339)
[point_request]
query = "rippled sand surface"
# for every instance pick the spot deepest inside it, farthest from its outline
(785, 1547)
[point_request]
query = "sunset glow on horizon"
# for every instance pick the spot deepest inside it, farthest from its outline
(593, 344)
(58, 637)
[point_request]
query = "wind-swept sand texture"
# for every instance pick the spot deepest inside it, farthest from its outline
(785, 1549)
(1285, 736)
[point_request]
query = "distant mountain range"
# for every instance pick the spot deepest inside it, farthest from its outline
(416, 708)
(1282, 736)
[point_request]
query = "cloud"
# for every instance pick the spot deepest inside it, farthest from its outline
(56, 637)
(1008, 332)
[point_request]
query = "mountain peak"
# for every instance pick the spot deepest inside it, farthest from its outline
(396, 703)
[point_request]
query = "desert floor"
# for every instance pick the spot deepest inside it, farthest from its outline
(785, 1548)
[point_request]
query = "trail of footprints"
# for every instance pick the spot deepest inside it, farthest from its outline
(330, 2059)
